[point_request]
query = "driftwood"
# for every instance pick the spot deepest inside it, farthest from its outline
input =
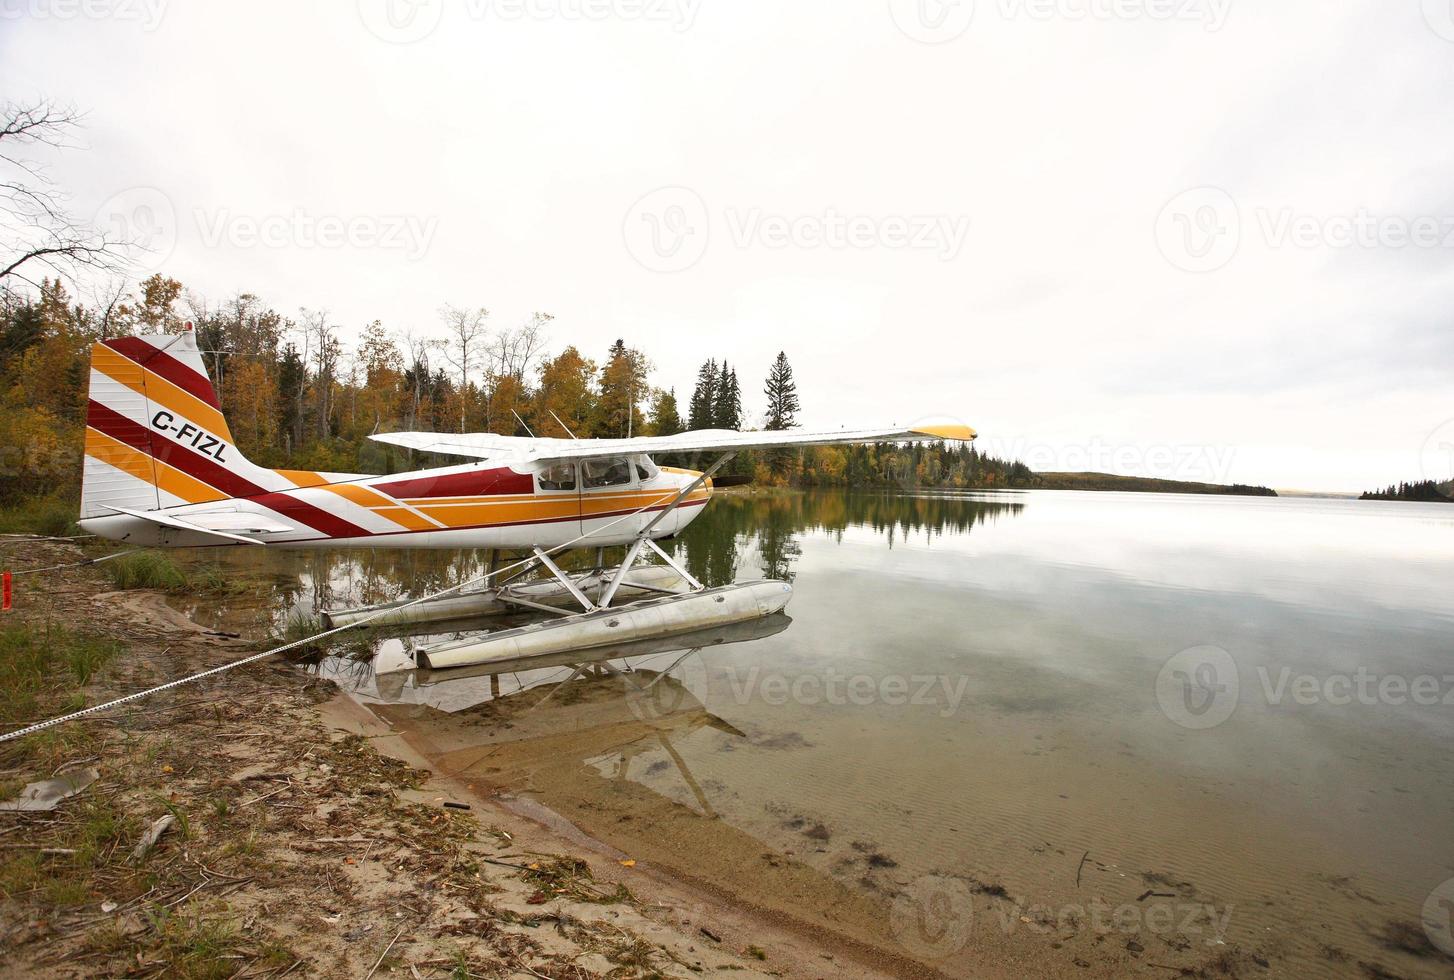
(149, 839)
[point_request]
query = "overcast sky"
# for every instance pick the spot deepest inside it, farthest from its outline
(1202, 239)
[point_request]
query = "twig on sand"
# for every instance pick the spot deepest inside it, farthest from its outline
(1079, 866)
(385, 952)
(265, 796)
(504, 864)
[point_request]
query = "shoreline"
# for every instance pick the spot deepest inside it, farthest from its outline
(793, 950)
(302, 843)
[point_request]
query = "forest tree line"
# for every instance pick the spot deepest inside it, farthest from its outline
(297, 396)
(1425, 490)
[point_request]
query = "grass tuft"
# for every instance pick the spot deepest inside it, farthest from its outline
(158, 570)
(300, 626)
(147, 570)
(40, 664)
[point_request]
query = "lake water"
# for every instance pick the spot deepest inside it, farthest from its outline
(1033, 733)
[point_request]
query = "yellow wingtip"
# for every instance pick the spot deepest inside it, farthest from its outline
(957, 433)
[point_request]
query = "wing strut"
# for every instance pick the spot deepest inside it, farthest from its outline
(633, 552)
(645, 536)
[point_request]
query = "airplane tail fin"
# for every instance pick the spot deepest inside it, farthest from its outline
(155, 435)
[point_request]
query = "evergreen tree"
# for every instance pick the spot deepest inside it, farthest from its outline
(782, 395)
(292, 379)
(702, 414)
(727, 412)
(782, 413)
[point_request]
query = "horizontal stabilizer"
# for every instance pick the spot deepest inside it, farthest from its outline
(165, 520)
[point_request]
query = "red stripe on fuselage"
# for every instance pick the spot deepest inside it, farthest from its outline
(476, 483)
(166, 366)
(211, 472)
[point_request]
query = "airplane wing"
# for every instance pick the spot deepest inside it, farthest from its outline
(524, 449)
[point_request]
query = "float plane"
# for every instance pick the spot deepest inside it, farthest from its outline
(162, 469)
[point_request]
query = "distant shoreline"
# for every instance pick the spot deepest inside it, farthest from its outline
(1096, 482)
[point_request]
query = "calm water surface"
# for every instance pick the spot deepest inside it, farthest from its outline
(1008, 732)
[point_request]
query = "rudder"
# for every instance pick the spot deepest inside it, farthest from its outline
(155, 435)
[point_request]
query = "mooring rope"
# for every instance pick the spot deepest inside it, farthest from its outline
(254, 658)
(77, 564)
(33, 538)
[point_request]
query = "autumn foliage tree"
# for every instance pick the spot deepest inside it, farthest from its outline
(297, 396)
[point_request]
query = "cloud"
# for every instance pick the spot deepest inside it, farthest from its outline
(521, 137)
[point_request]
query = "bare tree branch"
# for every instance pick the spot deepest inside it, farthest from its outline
(466, 332)
(36, 229)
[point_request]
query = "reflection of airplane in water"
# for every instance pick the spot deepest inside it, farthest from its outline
(622, 747)
(624, 700)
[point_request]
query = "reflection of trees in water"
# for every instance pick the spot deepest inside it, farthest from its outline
(771, 523)
(341, 578)
(735, 533)
(777, 545)
(710, 557)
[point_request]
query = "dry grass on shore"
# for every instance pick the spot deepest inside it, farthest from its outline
(292, 848)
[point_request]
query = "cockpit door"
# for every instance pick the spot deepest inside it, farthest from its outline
(557, 503)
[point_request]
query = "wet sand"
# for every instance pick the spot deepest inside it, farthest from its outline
(580, 752)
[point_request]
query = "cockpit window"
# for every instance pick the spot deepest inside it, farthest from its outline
(561, 476)
(598, 473)
(645, 468)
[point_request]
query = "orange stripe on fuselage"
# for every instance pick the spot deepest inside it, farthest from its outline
(486, 511)
(407, 518)
(384, 506)
(138, 464)
(593, 505)
(483, 513)
(303, 478)
(183, 404)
